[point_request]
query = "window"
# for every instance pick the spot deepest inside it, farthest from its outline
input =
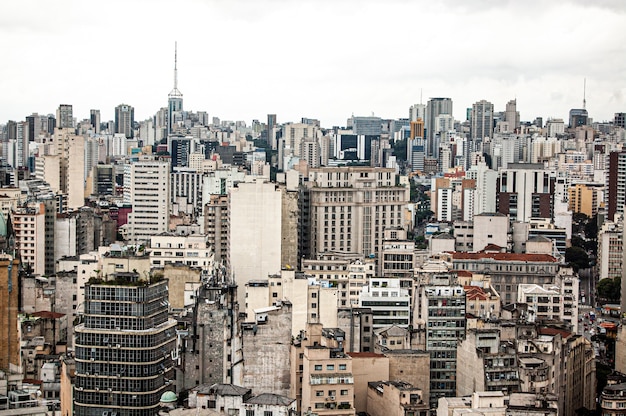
(342, 367)
(318, 367)
(319, 393)
(313, 305)
(319, 405)
(249, 412)
(344, 392)
(268, 413)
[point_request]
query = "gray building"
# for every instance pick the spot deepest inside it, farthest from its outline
(125, 348)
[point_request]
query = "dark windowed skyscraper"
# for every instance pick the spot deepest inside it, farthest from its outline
(124, 120)
(65, 116)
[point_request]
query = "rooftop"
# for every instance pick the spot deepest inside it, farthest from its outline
(505, 257)
(271, 399)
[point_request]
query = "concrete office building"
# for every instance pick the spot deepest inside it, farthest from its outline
(435, 108)
(481, 120)
(65, 116)
(525, 191)
(350, 207)
(124, 120)
(125, 348)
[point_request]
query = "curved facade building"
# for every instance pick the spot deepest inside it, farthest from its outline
(124, 349)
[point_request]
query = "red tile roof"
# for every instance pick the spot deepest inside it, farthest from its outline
(475, 292)
(48, 314)
(554, 331)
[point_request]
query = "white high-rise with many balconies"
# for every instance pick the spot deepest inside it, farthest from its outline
(147, 189)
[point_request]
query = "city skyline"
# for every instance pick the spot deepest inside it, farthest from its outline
(326, 60)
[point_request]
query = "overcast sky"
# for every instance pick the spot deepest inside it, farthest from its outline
(325, 59)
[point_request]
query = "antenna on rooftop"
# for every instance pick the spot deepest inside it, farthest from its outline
(585, 93)
(175, 65)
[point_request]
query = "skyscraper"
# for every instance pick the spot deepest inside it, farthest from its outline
(435, 108)
(174, 98)
(271, 123)
(616, 192)
(124, 120)
(65, 116)
(511, 116)
(94, 117)
(482, 120)
(124, 348)
(147, 188)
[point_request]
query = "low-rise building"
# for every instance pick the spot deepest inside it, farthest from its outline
(395, 398)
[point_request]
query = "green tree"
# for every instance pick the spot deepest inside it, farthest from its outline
(609, 288)
(399, 149)
(577, 257)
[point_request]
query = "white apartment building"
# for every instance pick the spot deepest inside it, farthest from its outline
(29, 225)
(147, 189)
(390, 303)
(192, 250)
(610, 250)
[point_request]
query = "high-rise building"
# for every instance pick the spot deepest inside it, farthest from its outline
(269, 132)
(147, 189)
(417, 111)
(65, 117)
(616, 184)
(443, 310)
(525, 191)
(578, 117)
(9, 310)
(254, 232)
(125, 348)
(435, 108)
(368, 126)
(124, 120)
(350, 207)
(482, 120)
(94, 117)
(174, 98)
(34, 126)
(511, 116)
(620, 120)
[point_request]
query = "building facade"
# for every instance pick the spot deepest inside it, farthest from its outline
(125, 349)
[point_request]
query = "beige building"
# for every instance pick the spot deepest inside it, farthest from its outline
(583, 199)
(367, 367)
(322, 380)
(348, 272)
(395, 398)
(480, 402)
(350, 207)
(411, 366)
(29, 225)
(490, 228)
(254, 239)
(391, 338)
(216, 225)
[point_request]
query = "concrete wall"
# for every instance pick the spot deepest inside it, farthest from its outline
(266, 354)
(365, 368)
(178, 275)
(413, 367)
(289, 229)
